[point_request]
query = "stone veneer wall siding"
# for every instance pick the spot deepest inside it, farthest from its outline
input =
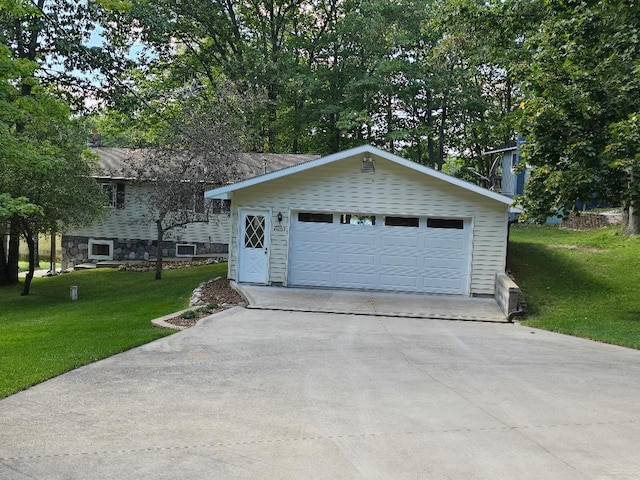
(75, 250)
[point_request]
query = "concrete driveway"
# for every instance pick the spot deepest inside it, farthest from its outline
(259, 394)
(361, 302)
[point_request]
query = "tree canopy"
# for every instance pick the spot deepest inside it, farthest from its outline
(45, 178)
(429, 79)
(580, 112)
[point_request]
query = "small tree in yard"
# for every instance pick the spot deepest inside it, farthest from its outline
(44, 176)
(196, 151)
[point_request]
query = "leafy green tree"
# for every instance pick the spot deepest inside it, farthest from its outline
(44, 181)
(248, 41)
(624, 152)
(45, 172)
(427, 78)
(583, 84)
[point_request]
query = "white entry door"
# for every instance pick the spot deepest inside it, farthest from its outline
(253, 255)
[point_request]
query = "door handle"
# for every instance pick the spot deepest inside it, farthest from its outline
(266, 250)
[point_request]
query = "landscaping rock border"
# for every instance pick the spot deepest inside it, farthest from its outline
(207, 299)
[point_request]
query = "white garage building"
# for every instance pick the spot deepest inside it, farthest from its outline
(366, 219)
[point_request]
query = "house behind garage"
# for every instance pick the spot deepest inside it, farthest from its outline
(127, 233)
(366, 219)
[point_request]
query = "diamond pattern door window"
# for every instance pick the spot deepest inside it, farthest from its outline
(254, 231)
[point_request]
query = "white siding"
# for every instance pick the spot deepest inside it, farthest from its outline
(392, 189)
(130, 222)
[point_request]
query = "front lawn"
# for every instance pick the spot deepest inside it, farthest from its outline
(583, 283)
(45, 334)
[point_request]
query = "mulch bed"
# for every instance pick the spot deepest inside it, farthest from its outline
(216, 296)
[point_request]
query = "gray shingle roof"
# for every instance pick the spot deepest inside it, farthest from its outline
(112, 160)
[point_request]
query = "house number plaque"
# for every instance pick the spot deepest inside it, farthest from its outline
(279, 228)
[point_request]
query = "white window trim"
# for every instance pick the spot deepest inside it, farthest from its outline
(93, 242)
(178, 245)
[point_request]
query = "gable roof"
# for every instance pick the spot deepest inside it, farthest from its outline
(224, 192)
(112, 161)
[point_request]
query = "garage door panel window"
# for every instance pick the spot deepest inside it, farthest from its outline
(448, 223)
(364, 220)
(402, 222)
(309, 217)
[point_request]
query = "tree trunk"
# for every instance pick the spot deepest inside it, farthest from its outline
(631, 221)
(272, 108)
(160, 242)
(32, 262)
(52, 255)
(4, 272)
(36, 243)
(14, 254)
(430, 146)
(441, 134)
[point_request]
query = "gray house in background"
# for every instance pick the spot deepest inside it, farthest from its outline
(512, 183)
(126, 234)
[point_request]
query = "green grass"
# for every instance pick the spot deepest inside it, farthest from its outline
(45, 334)
(582, 283)
(24, 266)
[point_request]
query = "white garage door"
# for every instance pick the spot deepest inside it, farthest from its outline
(411, 254)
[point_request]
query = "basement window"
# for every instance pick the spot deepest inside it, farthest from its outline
(100, 249)
(315, 217)
(185, 250)
(351, 219)
(452, 223)
(401, 221)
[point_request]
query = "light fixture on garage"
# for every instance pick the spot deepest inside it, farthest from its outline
(367, 165)
(279, 217)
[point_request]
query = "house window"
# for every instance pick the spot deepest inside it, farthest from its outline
(115, 193)
(315, 217)
(401, 221)
(192, 201)
(350, 219)
(100, 249)
(220, 206)
(452, 223)
(185, 250)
